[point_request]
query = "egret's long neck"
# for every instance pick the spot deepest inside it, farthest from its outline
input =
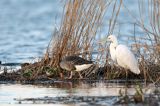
(114, 43)
(113, 52)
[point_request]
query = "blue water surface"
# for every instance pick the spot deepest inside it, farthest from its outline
(26, 26)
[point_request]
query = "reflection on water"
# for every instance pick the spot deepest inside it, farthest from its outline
(10, 92)
(26, 27)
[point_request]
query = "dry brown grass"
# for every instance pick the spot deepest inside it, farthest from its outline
(81, 21)
(151, 13)
(149, 21)
(79, 27)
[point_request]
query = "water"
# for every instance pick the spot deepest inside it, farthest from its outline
(26, 26)
(10, 93)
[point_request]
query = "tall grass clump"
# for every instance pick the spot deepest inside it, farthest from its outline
(145, 47)
(76, 35)
(150, 23)
(78, 32)
(81, 21)
(149, 49)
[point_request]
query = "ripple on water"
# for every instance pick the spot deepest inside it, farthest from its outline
(26, 27)
(70, 92)
(29, 24)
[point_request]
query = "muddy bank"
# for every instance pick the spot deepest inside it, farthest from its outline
(41, 72)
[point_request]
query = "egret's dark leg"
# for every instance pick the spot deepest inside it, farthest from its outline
(126, 75)
(80, 75)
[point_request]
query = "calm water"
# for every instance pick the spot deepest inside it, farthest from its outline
(26, 26)
(10, 93)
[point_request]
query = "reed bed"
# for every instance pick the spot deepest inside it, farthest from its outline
(81, 21)
(76, 36)
(78, 33)
(149, 51)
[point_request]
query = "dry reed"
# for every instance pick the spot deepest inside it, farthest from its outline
(147, 46)
(77, 36)
(150, 23)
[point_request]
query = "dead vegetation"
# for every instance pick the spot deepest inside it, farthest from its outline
(78, 34)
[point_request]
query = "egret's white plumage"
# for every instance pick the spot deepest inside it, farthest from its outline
(124, 57)
(113, 51)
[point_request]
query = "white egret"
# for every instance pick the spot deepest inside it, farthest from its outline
(122, 55)
(75, 63)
